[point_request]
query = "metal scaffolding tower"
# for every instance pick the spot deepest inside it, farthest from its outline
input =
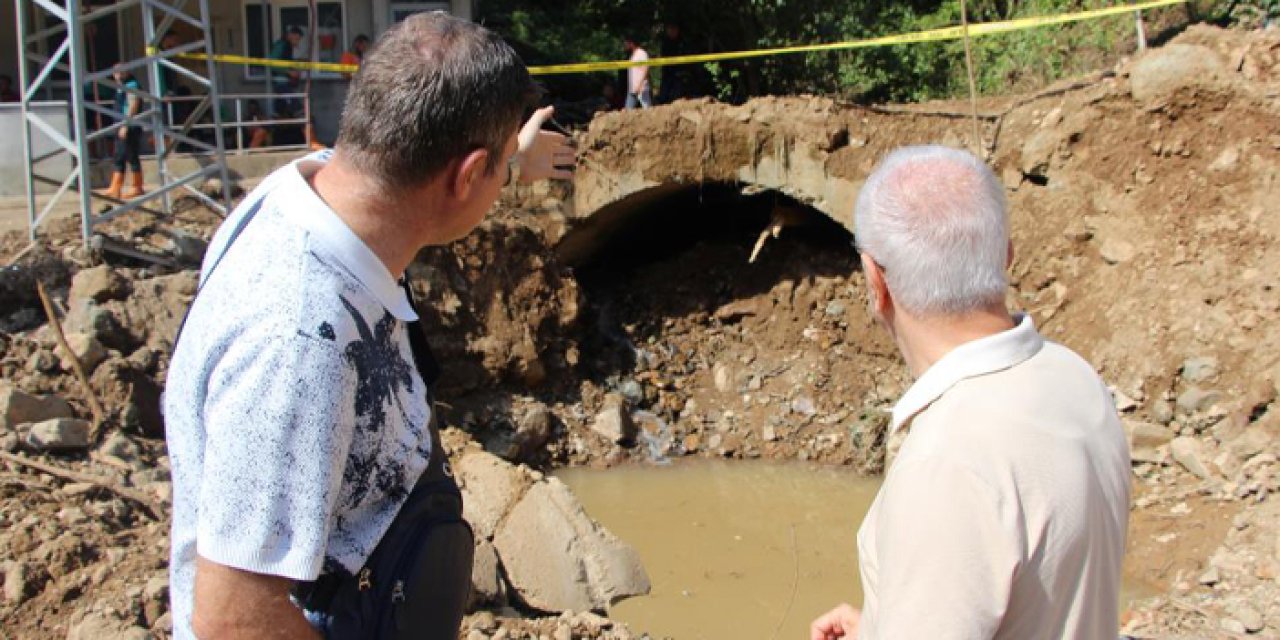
(41, 24)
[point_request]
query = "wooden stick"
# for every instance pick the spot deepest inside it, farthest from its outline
(14, 260)
(90, 396)
(153, 507)
(973, 87)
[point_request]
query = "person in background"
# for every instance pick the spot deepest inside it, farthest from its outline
(129, 139)
(638, 92)
(283, 80)
(356, 55)
(675, 78)
(1004, 511)
(259, 136)
(7, 94)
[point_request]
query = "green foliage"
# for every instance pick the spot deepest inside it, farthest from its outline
(591, 30)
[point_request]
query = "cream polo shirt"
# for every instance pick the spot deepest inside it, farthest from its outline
(1005, 512)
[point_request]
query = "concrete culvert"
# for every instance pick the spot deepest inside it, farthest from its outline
(674, 310)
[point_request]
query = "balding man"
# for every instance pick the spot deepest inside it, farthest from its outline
(1004, 512)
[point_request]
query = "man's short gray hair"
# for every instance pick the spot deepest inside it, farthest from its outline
(935, 220)
(431, 90)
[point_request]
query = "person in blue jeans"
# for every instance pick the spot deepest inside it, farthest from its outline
(285, 81)
(129, 139)
(639, 94)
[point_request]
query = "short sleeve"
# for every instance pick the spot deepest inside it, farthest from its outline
(946, 561)
(278, 423)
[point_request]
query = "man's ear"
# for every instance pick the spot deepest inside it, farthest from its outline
(470, 170)
(877, 288)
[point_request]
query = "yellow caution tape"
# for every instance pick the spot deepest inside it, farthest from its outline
(931, 35)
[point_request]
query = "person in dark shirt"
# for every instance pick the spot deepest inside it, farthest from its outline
(285, 81)
(675, 78)
(129, 143)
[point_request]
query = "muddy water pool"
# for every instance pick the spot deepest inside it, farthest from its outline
(743, 549)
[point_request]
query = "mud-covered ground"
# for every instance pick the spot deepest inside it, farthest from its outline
(1145, 231)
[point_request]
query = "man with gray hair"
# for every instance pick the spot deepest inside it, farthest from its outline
(1005, 510)
(307, 467)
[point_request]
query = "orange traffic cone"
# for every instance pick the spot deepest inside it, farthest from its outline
(135, 189)
(117, 182)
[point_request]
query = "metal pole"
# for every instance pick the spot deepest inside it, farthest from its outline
(75, 31)
(159, 123)
(23, 80)
(215, 104)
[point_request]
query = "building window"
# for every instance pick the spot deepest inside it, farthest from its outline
(402, 10)
(264, 23)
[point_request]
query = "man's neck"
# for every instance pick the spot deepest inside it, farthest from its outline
(925, 341)
(392, 226)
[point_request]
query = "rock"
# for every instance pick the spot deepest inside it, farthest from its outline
(1195, 399)
(17, 407)
(803, 405)
(157, 587)
(164, 623)
(1227, 160)
(692, 442)
(736, 311)
(121, 447)
(557, 559)
(1011, 177)
(1077, 232)
(614, 421)
(87, 349)
(1189, 453)
(16, 583)
(489, 487)
(632, 391)
(486, 576)
(723, 378)
(1115, 250)
(1144, 435)
(134, 396)
(1200, 369)
(1162, 411)
(1038, 152)
(42, 361)
(96, 626)
(1253, 440)
(97, 284)
(533, 428)
(59, 434)
(101, 323)
(835, 308)
(1124, 403)
(1231, 625)
(1249, 618)
(1166, 69)
(1210, 577)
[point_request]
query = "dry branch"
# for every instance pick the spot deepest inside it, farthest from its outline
(154, 508)
(90, 396)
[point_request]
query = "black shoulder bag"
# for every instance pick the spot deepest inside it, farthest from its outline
(417, 582)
